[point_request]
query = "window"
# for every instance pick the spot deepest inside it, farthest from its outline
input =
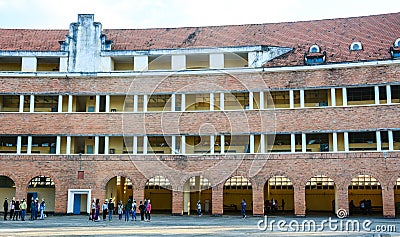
(320, 182)
(280, 182)
(356, 46)
(314, 49)
(364, 182)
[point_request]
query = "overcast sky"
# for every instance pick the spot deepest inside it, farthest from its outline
(125, 14)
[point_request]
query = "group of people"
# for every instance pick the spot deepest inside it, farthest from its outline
(365, 207)
(17, 209)
(272, 206)
(129, 209)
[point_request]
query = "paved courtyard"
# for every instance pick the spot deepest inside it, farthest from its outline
(166, 225)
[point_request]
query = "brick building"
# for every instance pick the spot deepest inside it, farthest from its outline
(305, 112)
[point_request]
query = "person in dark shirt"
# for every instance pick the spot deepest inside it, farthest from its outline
(5, 207)
(142, 210)
(110, 209)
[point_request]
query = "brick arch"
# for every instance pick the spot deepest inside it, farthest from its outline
(46, 174)
(162, 175)
(392, 180)
(313, 175)
(10, 176)
(107, 179)
(251, 180)
(278, 173)
(376, 176)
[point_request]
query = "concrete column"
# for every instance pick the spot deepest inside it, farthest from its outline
(186, 198)
(60, 103)
(262, 143)
(251, 143)
(299, 201)
(346, 141)
(135, 145)
(183, 102)
(145, 101)
(32, 104)
(212, 144)
(262, 106)
(106, 145)
(63, 64)
(211, 101)
(177, 203)
(173, 144)
(58, 145)
(217, 60)
(145, 140)
(178, 62)
(97, 106)
(107, 103)
(303, 143)
(96, 145)
(21, 103)
(389, 209)
(70, 99)
(258, 201)
(344, 96)
(68, 148)
(107, 64)
(140, 63)
(29, 64)
(390, 138)
(335, 142)
(173, 102)
(376, 90)
(333, 97)
(291, 99)
(29, 148)
(301, 98)
(183, 144)
(19, 144)
(388, 95)
(378, 141)
(222, 139)
(217, 197)
(135, 103)
(292, 142)
(221, 101)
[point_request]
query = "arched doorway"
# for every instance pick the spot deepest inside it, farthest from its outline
(397, 196)
(42, 188)
(320, 195)
(367, 189)
(278, 190)
(195, 189)
(159, 190)
(236, 189)
(7, 188)
(119, 188)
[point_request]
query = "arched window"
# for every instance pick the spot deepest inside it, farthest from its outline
(314, 49)
(356, 46)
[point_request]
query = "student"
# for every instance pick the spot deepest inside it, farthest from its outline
(134, 205)
(23, 207)
(105, 209)
(199, 208)
(93, 209)
(148, 210)
(5, 207)
(17, 211)
(42, 209)
(142, 210)
(110, 209)
(12, 208)
(243, 208)
(120, 210)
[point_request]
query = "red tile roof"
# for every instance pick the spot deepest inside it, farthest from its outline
(376, 33)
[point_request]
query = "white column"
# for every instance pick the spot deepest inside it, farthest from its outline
(96, 145)
(107, 103)
(183, 145)
(335, 142)
(60, 103)
(135, 103)
(173, 102)
(292, 142)
(32, 104)
(63, 64)
(390, 138)
(19, 144)
(261, 100)
(145, 101)
(135, 145)
(262, 143)
(221, 101)
(378, 141)
(173, 145)
(21, 103)
(212, 144)
(97, 108)
(251, 100)
(333, 97)
(58, 145)
(68, 149)
(346, 141)
(70, 98)
(251, 143)
(388, 95)
(183, 102)
(376, 90)
(29, 148)
(106, 145)
(291, 99)
(222, 139)
(217, 60)
(302, 98)
(29, 64)
(303, 143)
(211, 101)
(145, 140)
(178, 62)
(344, 96)
(140, 63)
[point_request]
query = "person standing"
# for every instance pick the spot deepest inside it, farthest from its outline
(42, 209)
(110, 209)
(243, 208)
(36, 208)
(134, 206)
(93, 209)
(32, 209)
(142, 210)
(199, 208)
(12, 208)
(17, 212)
(148, 210)
(97, 217)
(105, 209)
(120, 210)
(127, 209)
(5, 207)
(23, 207)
